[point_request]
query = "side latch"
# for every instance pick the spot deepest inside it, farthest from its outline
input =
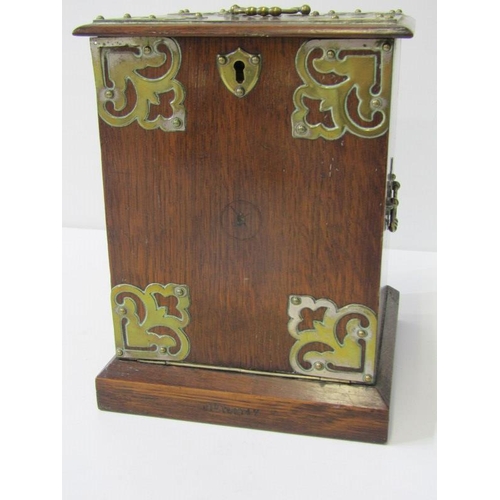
(391, 207)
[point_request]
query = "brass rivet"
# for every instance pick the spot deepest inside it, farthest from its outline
(121, 310)
(222, 60)
(252, 11)
(331, 12)
(296, 301)
(177, 122)
(180, 291)
(314, 13)
(163, 350)
(301, 129)
(368, 378)
(319, 365)
(108, 94)
(240, 91)
(147, 50)
(335, 16)
(255, 60)
(127, 16)
(198, 15)
(119, 352)
(362, 333)
(152, 16)
(100, 18)
(376, 103)
(357, 11)
(386, 47)
(330, 54)
(399, 11)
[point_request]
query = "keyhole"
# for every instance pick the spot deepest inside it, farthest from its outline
(239, 68)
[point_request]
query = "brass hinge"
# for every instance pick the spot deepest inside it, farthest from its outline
(392, 202)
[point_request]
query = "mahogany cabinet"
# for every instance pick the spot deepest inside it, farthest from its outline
(248, 188)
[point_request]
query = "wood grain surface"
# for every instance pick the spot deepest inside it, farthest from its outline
(327, 25)
(325, 409)
(314, 209)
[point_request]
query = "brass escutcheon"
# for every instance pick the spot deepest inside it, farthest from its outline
(239, 71)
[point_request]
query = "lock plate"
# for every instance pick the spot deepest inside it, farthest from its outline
(240, 71)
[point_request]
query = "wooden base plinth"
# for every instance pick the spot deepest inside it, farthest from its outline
(334, 410)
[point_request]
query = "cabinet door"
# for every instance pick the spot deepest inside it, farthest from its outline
(265, 242)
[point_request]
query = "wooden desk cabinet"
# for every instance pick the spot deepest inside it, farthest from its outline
(247, 189)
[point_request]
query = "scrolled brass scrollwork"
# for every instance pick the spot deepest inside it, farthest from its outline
(118, 63)
(350, 357)
(351, 81)
(145, 329)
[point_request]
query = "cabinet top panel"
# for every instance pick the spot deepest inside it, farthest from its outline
(256, 22)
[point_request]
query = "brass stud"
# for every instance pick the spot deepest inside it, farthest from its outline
(319, 365)
(152, 16)
(240, 91)
(255, 59)
(386, 47)
(163, 350)
(335, 16)
(399, 11)
(301, 129)
(222, 60)
(180, 291)
(362, 334)
(376, 103)
(330, 54)
(99, 18)
(127, 16)
(314, 13)
(121, 310)
(108, 94)
(296, 300)
(119, 352)
(368, 379)
(263, 11)
(147, 50)
(198, 15)
(177, 123)
(357, 11)
(275, 11)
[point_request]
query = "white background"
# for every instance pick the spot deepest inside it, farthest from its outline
(413, 131)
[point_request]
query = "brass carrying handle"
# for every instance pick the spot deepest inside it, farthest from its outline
(269, 11)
